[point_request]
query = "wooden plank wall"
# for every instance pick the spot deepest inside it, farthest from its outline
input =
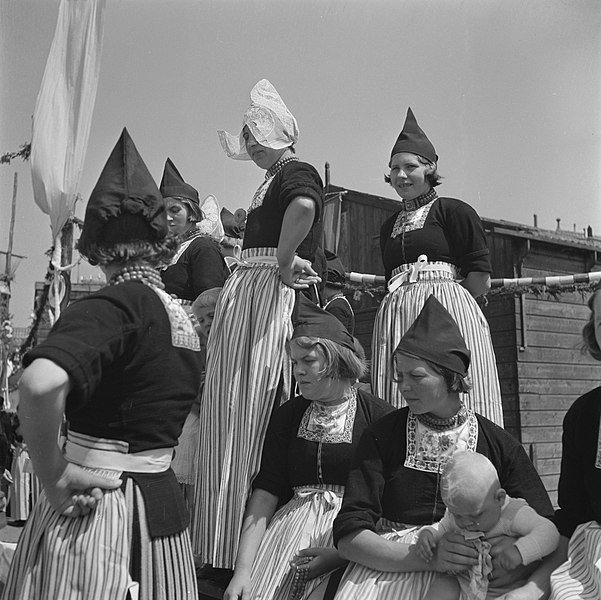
(552, 369)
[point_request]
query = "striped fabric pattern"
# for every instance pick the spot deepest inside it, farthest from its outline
(363, 583)
(580, 576)
(396, 314)
(87, 558)
(246, 365)
(305, 521)
(20, 493)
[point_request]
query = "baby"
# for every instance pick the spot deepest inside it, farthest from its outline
(479, 508)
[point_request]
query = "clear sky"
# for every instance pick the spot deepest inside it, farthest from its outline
(509, 92)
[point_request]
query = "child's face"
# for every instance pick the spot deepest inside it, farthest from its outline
(204, 318)
(478, 514)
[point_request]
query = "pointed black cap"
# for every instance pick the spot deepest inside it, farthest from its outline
(173, 184)
(413, 139)
(311, 321)
(125, 205)
(435, 337)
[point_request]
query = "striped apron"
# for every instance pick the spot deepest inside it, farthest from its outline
(408, 290)
(305, 521)
(248, 375)
(580, 576)
(94, 556)
(363, 583)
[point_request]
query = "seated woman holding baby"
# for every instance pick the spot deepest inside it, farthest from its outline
(394, 486)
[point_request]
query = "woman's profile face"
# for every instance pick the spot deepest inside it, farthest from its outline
(408, 175)
(262, 156)
(177, 216)
(424, 389)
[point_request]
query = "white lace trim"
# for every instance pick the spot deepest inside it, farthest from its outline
(428, 450)
(344, 434)
(183, 334)
(260, 195)
(411, 220)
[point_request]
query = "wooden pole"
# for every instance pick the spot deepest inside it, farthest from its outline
(11, 231)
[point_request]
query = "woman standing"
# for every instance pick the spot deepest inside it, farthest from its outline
(101, 528)
(248, 371)
(394, 484)
(305, 461)
(198, 264)
(432, 246)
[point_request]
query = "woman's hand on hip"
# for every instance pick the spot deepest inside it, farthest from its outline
(454, 554)
(317, 561)
(298, 273)
(75, 492)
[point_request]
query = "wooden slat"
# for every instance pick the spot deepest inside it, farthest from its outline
(533, 402)
(536, 418)
(564, 356)
(553, 325)
(558, 371)
(547, 450)
(531, 435)
(564, 386)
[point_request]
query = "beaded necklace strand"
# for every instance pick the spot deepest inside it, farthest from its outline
(440, 424)
(143, 273)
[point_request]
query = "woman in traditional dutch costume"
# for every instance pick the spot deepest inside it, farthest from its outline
(394, 484)
(198, 264)
(579, 496)
(248, 370)
(123, 366)
(306, 457)
(433, 246)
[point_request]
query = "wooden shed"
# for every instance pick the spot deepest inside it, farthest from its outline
(536, 332)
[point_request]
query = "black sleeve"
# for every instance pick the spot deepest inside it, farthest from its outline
(86, 339)
(466, 237)
(574, 507)
(517, 474)
(301, 179)
(207, 268)
(273, 474)
(362, 507)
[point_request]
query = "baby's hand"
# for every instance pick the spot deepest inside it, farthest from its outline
(510, 558)
(425, 544)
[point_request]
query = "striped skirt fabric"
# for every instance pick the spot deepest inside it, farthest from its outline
(580, 576)
(100, 555)
(306, 521)
(248, 374)
(363, 583)
(396, 314)
(20, 494)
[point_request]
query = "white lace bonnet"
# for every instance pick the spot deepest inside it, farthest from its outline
(269, 120)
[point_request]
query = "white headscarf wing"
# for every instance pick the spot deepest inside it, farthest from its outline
(269, 120)
(211, 224)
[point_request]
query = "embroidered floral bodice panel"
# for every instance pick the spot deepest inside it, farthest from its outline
(428, 449)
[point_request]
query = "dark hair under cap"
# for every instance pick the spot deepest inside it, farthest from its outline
(435, 337)
(413, 139)
(311, 321)
(125, 205)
